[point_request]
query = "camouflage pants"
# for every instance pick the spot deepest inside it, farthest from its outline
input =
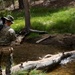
(6, 55)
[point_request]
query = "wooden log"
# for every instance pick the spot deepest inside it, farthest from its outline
(42, 39)
(41, 64)
(38, 31)
(18, 40)
(23, 34)
(45, 37)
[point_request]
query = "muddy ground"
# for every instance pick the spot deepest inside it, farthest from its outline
(29, 50)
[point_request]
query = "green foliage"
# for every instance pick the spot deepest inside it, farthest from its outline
(4, 13)
(33, 35)
(52, 20)
(33, 72)
(20, 73)
(19, 20)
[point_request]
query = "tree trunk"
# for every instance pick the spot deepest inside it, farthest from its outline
(21, 6)
(49, 61)
(27, 16)
(27, 29)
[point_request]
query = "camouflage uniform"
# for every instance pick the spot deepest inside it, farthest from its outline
(6, 55)
(7, 35)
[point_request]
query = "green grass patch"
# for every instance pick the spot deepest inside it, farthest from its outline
(33, 35)
(60, 20)
(54, 20)
(33, 72)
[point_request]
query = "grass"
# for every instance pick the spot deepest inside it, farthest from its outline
(51, 20)
(33, 72)
(54, 21)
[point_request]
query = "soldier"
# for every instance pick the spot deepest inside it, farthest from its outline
(7, 35)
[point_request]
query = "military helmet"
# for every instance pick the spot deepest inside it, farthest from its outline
(9, 18)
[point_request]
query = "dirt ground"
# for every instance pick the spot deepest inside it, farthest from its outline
(68, 69)
(54, 3)
(28, 51)
(31, 51)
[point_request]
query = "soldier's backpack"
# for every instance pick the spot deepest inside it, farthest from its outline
(2, 20)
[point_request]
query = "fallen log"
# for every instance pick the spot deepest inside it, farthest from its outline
(18, 40)
(21, 37)
(23, 34)
(38, 31)
(44, 38)
(41, 64)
